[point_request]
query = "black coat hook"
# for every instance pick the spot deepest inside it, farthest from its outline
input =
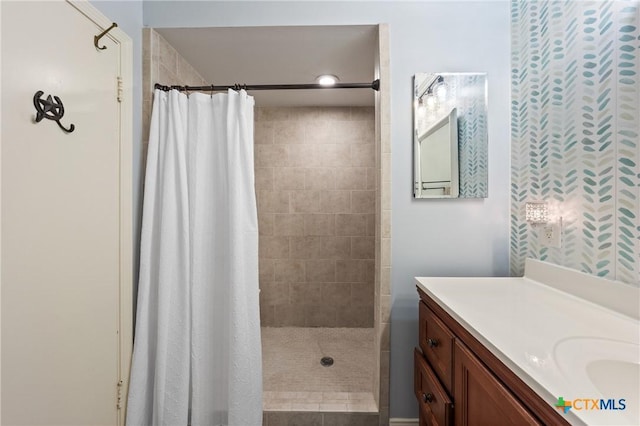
(50, 109)
(99, 36)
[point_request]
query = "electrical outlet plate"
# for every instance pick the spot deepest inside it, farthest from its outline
(550, 234)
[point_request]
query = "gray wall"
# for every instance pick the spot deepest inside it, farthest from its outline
(429, 237)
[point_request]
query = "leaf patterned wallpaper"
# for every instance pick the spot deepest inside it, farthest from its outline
(471, 100)
(575, 122)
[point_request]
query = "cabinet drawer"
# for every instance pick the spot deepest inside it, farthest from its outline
(436, 342)
(435, 405)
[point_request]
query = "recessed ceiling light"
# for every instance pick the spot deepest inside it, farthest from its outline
(327, 79)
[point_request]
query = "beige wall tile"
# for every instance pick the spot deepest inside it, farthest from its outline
(351, 178)
(273, 201)
(334, 113)
(274, 293)
(276, 114)
(288, 225)
(319, 178)
(385, 252)
(306, 247)
(168, 56)
(146, 43)
(264, 178)
(289, 316)
(266, 270)
(363, 155)
(267, 315)
(371, 178)
(185, 72)
(263, 132)
(270, 155)
(335, 201)
(385, 194)
(303, 293)
(319, 224)
(321, 315)
(355, 316)
(362, 294)
(363, 201)
(334, 247)
(288, 178)
(166, 76)
(284, 418)
(386, 224)
(336, 294)
(386, 139)
(288, 132)
(351, 225)
(274, 247)
(385, 167)
(363, 247)
(305, 201)
(354, 132)
(385, 309)
(155, 45)
(350, 419)
(385, 275)
(333, 155)
(385, 281)
(384, 377)
(349, 271)
(320, 270)
(304, 155)
(289, 270)
(371, 225)
(318, 132)
(385, 337)
(306, 177)
(363, 114)
(265, 224)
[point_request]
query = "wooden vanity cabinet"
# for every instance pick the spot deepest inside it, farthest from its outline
(480, 398)
(458, 381)
(436, 407)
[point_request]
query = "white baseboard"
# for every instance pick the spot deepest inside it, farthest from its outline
(403, 422)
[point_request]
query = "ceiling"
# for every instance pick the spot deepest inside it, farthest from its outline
(283, 55)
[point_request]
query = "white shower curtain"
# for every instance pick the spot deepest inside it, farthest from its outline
(197, 352)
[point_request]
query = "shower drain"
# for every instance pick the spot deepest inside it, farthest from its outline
(326, 361)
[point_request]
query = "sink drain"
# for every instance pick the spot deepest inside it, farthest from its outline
(326, 361)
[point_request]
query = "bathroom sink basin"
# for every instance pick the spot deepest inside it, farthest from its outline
(602, 369)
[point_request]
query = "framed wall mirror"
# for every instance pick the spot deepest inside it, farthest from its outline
(450, 135)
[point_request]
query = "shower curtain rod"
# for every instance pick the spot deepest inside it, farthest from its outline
(375, 85)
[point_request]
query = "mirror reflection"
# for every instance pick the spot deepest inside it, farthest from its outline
(450, 135)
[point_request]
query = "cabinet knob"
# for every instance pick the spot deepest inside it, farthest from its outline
(427, 397)
(432, 343)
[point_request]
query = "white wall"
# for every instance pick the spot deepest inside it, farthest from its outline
(429, 237)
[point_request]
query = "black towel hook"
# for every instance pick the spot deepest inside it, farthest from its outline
(50, 109)
(102, 34)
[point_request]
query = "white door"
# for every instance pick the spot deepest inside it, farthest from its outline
(62, 220)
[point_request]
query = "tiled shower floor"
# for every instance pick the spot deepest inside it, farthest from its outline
(294, 379)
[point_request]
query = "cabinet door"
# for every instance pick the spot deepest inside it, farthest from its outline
(480, 399)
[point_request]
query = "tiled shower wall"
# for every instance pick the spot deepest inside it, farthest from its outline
(161, 63)
(315, 182)
(575, 125)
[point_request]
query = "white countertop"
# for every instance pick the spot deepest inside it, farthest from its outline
(557, 343)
